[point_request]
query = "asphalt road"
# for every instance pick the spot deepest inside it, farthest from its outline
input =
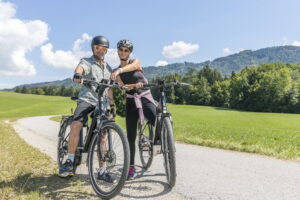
(202, 173)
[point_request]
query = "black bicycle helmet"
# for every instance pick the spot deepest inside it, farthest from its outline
(125, 43)
(101, 41)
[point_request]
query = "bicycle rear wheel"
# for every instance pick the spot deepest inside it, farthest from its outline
(115, 151)
(145, 144)
(63, 140)
(168, 148)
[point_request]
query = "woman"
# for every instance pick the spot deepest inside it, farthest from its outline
(134, 80)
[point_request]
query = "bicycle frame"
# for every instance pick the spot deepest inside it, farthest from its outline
(163, 108)
(98, 121)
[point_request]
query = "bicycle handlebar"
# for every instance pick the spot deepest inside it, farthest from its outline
(104, 82)
(166, 84)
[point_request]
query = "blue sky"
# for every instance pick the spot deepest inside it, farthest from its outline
(37, 37)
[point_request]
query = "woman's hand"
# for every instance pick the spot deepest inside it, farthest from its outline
(134, 86)
(114, 75)
(139, 85)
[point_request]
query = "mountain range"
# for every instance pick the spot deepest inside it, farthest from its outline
(235, 62)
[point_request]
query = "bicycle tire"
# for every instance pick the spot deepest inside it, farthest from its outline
(168, 149)
(145, 145)
(62, 144)
(109, 194)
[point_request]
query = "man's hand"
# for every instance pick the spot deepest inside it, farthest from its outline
(114, 75)
(113, 111)
(78, 78)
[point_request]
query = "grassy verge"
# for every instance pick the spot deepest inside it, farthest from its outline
(26, 173)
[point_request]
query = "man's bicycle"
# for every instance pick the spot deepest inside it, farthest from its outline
(104, 142)
(160, 136)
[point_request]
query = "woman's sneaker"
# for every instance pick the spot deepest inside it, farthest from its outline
(131, 174)
(107, 177)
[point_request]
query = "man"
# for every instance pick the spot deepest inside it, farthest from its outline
(92, 68)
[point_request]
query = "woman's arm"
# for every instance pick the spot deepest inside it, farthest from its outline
(134, 65)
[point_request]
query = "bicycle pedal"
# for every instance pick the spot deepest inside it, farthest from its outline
(156, 149)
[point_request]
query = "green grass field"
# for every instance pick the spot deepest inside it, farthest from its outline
(272, 134)
(15, 105)
(27, 173)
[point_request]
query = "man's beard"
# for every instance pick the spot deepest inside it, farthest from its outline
(99, 57)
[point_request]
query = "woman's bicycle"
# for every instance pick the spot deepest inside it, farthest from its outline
(104, 142)
(161, 135)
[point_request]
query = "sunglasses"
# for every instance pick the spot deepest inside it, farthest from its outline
(124, 50)
(100, 48)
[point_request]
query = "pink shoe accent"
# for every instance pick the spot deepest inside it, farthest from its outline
(131, 170)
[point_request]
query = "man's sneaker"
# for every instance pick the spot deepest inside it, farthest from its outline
(131, 174)
(66, 169)
(107, 177)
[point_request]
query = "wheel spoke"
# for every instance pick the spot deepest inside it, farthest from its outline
(117, 161)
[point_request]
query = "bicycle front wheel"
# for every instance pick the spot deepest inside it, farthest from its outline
(168, 148)
(109, 148)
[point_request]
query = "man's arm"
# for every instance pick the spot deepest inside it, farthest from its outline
(78, 70)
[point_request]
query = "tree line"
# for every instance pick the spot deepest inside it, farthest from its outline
(50, 90)
(264, 88)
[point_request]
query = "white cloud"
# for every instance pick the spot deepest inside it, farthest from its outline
(59, 59)
(65, 59)
(161, 63)
(7, 10)
(179, 49)
(70, 59)
(18, 37)
(296, 43)
(239, 50)
(77, 44)
(286, 42)
(226, 51)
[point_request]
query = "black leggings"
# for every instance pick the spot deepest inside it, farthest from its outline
(132, 116)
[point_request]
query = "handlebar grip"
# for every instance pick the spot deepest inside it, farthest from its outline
(185, 84)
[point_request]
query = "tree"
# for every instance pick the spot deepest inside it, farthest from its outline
(200, 93)
(25, 90)
(220, 93)
(18, 89)
(211, 75)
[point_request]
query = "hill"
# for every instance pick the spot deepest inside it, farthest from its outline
(235, 62)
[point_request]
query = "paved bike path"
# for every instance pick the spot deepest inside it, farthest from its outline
(202, 172)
